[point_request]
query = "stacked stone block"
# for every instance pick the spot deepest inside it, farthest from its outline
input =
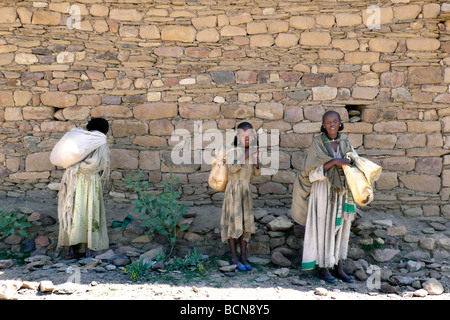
(151, 67)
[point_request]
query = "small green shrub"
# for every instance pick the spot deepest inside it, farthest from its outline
(10, 224)
(193, 264)
(161, 213)
(137, 269)
(373, 246)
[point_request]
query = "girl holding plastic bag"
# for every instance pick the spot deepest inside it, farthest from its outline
(237, 221)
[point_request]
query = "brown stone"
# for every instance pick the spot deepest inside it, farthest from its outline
(8, 15)
(302, 22)
(278, 26)
(256, 27)
(313, 79)
(150, 141)
(286, 40)
(126, 14)
(315, 39)
(46, 18)
(261, 40)
(6, 99)
(425, 75)
(382, 45)
(111, 111)
(76, 113)
(392, 79)
(341, 80)
(149, 160)
(39, 161)
(245, 77)
(387, 181)
(38, 113)
(272, 188)
(390, 126)
(232, 31)
(156, 110)
(398, 164)
(379, 141)
(361, 57)
(208, 35)
(204, 22)
(269, 110)
(149, 32)
(407, 12)
(58, 99)
(124, 159)
(197, 52)
(421, 183)
(348, 19)
(178, 33)
(126, 128)
(294, 140)
(423, 44)
(291, 76)
(293, 113)
(345, 44)
(174, 52)
(6, 58)
(366, 93)
(234, 111)
(199, 111)
(57, 126)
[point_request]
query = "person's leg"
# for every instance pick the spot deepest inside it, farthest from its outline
(234, 257)
(324, 274)
(341, 274)
(243, 243)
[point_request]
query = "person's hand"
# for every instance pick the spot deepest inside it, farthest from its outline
(255, 154)
(367, 200)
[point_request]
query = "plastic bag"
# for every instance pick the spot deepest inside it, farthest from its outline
(371, 170)
(76, 145)
(361, 190)
(218, 177)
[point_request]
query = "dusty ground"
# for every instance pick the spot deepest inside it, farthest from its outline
(264, 282)
(261, 283)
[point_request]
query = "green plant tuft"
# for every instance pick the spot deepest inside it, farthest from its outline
(162, 213)
(10, 224)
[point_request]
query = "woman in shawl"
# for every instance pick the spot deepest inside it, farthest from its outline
(237, 221)
(81, 208)
(327, 201)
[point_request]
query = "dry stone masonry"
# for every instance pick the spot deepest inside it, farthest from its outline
(153, 66)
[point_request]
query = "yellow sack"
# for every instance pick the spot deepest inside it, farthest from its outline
(218, 177)
(371, 170)
(358, 185)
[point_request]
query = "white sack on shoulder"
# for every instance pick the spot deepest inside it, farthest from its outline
(76, 145)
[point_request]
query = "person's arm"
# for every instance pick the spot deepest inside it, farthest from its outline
(335, 162)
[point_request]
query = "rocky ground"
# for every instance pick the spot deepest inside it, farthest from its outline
(49, 276)
(95, 280)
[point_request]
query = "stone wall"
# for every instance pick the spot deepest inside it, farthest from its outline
(153, 66)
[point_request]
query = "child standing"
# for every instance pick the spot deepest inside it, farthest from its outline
(237, 222)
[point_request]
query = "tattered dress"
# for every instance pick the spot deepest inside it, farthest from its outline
(237, 210)
(81, 209)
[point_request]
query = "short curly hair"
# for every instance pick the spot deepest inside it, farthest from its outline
(98, 124)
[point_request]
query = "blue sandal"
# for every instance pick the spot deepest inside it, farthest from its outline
(240, 266)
